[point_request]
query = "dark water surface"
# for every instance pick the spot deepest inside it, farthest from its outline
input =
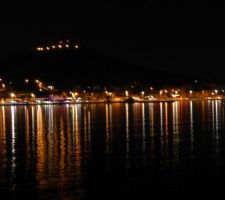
(113, 151)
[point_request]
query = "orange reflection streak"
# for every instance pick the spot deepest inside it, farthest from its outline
(33, 128)
(77, 142)
(27, 132)
(62, 150)
(108, 113)
(213, 117)
(161, 118)
(222, 117)
(89, 128)
(151, 110)
(166, 118)
(161, 127)
(143, 128)
(40, 146)
(2, 133)
(143, 134)
(85, 130)
(203, 115)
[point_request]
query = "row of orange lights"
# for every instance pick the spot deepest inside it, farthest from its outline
(59, 46)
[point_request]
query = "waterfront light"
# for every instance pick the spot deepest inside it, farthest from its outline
(26, 80)
(3, 85)
(126, 93)
(60, 46)
(76, 46)
(216, 91)
(40, 49)
(50, 87)
(32, 95)
(190, 91)
(12, 95)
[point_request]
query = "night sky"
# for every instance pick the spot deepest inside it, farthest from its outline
(181, 37)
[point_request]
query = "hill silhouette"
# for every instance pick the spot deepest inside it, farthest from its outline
(70, 67)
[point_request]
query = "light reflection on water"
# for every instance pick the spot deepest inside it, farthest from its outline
(84, 151)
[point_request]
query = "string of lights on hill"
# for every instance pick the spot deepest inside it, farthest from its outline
(60, 45)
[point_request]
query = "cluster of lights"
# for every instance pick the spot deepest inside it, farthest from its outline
(2, 84)
(59, 45)
(109, 93)
(74, 94)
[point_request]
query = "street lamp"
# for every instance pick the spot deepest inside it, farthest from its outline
(12, 95)
(32, 95)
(142, 94)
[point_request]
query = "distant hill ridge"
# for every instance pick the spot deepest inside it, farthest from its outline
(83, 66)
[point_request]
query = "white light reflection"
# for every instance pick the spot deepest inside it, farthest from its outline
(191, 129)
(175, 130)
(13, 147)
(151, 114)
(151, 110)
(216, 134)
(127, 130)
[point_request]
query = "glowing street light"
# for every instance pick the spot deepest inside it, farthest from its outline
(190, 91)
(26, 81)
(142, 94)
(126, 93)
(50, 87)
(12, 95)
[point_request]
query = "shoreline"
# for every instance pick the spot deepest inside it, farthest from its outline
(103, 102)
